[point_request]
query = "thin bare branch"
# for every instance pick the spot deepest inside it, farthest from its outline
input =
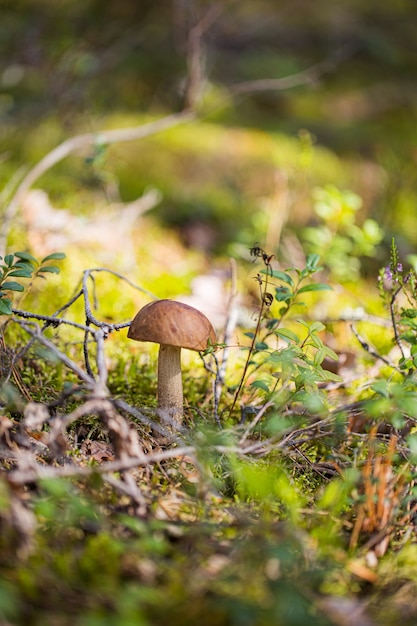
(196, 55)
(129, 488)
(310, 76)
(75, 144)
(121, 277)
(139, 415)
(58, 424)
(42, 472)
(255, 421)
(33, 474)
(368, 348)
(34, 331)
(51, 320)
(100, 336)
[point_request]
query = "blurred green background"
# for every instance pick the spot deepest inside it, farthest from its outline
(346, 117)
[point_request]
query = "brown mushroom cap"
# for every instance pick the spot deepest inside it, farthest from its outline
(174, 324)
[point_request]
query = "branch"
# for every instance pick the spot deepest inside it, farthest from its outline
(74, 144)
(21, 477)
(309, 76)
(39, 472)
(157, 428)
(87, 305)
(54, 320)
(51, 320)
(34, 331)
(368, 348)
(195, 55)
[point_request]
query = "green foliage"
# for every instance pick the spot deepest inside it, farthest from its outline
(340, 241)
(284, 363)
(264, 521)
(22, 265)
(268, 484)
(116, 569)
(398, 291)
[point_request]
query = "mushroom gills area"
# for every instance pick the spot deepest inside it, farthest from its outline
(170, 398)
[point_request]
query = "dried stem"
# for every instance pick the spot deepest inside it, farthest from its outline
(366, 346)
(394, 321)
(263, 286)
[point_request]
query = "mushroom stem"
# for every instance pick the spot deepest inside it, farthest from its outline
(170, 398)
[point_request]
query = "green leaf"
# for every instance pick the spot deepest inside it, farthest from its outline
(286, 278)
(12, 286)
(21, 273)
(282, 294)
(25, 256)
(8, 259)
(319, 356)
(287, 335)
(271, 323)
(312, 262)
(331, 354)
(330, 377)
(56, 256)
(260, 384)
(412, 445)
(312, 327)
(5, 306)
(317, 327)
(51, 269)
(381, 387)
(315, 287)
(315, 341)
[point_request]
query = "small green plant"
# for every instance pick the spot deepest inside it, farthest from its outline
(292, 360)
(398, 290)
(22, 265)
(338, 238)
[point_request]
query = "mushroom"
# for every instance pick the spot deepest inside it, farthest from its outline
(173, 325)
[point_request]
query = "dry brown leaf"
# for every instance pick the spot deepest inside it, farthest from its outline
(99, 451)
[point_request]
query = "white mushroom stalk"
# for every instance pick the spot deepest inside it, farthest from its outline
(170, 395)
(173, 325)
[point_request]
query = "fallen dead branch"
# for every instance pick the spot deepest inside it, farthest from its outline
(33, 475)
(130, 455)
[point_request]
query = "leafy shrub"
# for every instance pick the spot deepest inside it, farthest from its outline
(22, 265)
(292, 360)
(339, 240)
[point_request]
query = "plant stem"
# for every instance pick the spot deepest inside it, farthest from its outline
(255, 335)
